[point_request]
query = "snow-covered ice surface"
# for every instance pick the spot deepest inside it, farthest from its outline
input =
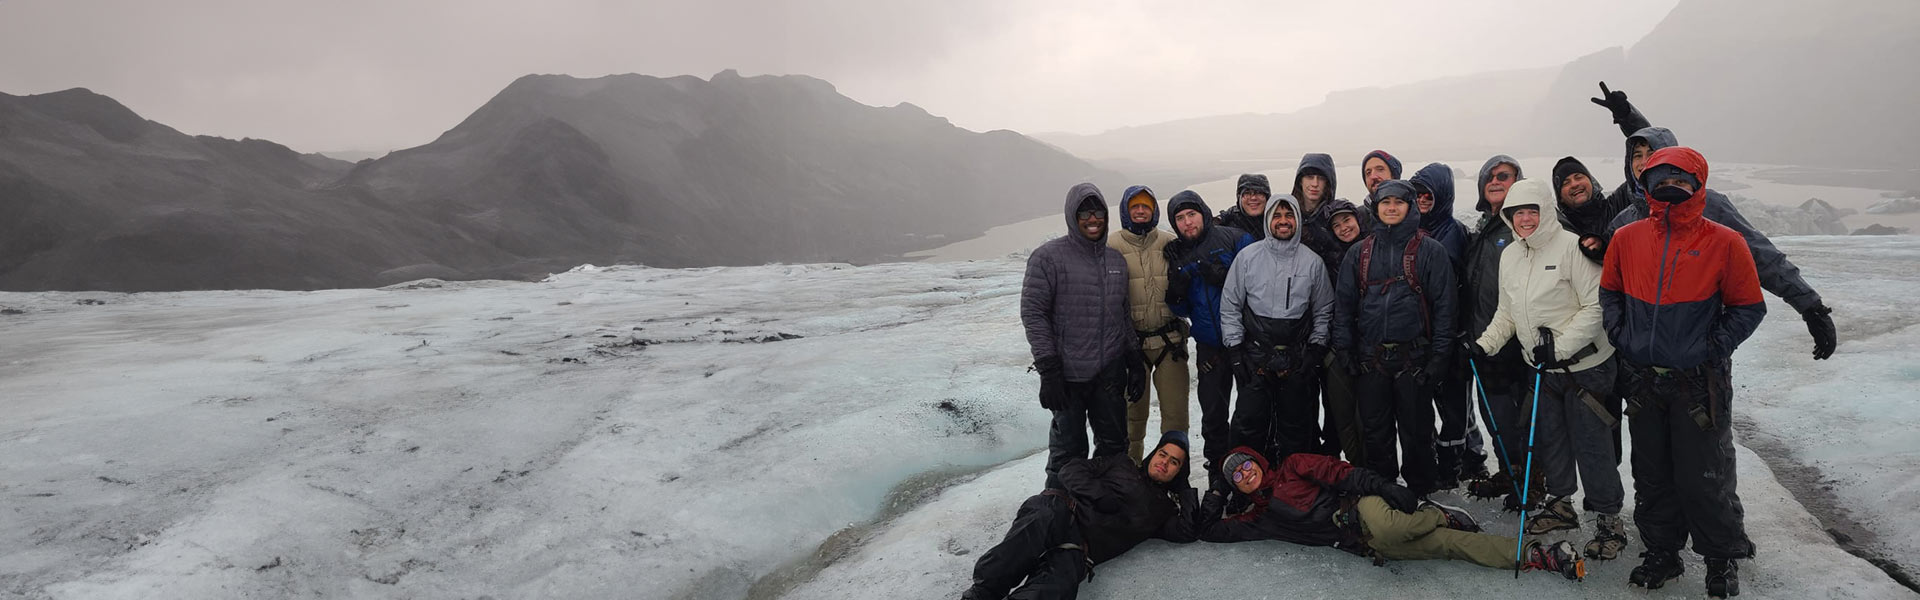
(650, 433)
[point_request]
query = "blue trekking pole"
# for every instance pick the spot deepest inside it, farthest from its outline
(1499, 443)
(1533, 419)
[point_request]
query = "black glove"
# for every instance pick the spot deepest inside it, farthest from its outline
(1543, 352)
(1172, 251)
(1178, 282)
(1820, 324)
(1053, 382)
(1241, 357)
(1213, 271)
(1134, 369)
(1431, 373)
(1400, 498)
(1316, 355)
(1615, 101)
(1472, 349)
(1211, 508)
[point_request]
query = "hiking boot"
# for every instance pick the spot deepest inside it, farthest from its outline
(1557, 558)
(1487, 488)
(1658, 569)
(1609, 537)
(1558, 515)
(1723, 578)
(1457, 518)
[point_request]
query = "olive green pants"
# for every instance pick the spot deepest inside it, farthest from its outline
(1423, 535)
(1170, 386)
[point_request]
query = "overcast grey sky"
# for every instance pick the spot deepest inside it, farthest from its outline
(376, 75)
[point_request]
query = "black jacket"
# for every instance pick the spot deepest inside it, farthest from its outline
(1143, 509)
(1387, 309)
(1480, 293)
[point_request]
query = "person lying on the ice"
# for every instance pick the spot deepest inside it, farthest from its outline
(1105, 507)
(1317, 500)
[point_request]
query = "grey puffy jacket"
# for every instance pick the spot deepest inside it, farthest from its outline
(1073, 302)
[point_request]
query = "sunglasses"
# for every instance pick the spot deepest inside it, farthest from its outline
(1090, 214)
(1502, 176)
(1243, 472)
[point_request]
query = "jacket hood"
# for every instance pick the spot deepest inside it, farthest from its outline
(1188, 199)
(1126, 216)
(1395, 233)
(1688, 213)
(1657, 139)
(1266, 468)
(1177, 438)
(1316, 163)
(1486, 173)
(1251, 182)
(1284, 247)
(1438, 179)
(1532, 193)
(1080, 193)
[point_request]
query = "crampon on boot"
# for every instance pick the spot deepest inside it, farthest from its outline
(1658, 569)
(1723, 578)
(1557, 558)
(1488, 488)
(1457, 518)
(1557, 515)
(1609, 537)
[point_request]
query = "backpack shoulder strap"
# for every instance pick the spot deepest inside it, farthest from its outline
(1413, 279)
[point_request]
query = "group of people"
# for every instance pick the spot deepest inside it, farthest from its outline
(1359, 342)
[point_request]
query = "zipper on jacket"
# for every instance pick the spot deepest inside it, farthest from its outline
(1660, 288)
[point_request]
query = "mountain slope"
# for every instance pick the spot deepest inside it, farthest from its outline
(553, 172)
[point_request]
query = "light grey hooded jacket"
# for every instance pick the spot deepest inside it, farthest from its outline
(1278, 280)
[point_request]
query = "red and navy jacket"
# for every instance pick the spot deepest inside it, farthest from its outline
(1679, 290)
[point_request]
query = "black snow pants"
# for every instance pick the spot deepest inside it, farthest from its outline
(1043, 548)
(1394, 406)
(1278, 415)
(1683, 466)
(1099, 404)
(1214, 388)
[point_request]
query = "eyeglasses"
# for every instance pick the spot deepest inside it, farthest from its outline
(1092, 214)
(1502, 176)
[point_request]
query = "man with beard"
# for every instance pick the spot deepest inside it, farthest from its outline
(1375, 167)
(1778, 275)
(1274, 313)
(1197, 266)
